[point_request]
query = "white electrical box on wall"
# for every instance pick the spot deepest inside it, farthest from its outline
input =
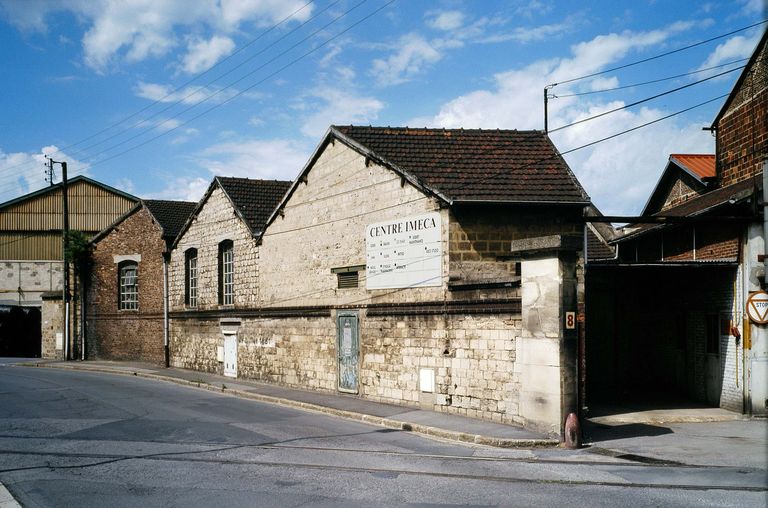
(59, 340)
(427, 380)
(220, 354)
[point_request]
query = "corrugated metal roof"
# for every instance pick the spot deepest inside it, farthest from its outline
(701, 165)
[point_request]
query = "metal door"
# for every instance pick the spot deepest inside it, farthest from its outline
(348, 350)
(230, 355)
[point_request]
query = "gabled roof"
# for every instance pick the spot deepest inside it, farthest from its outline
(463, 165)
(253, 201)
(475, 165)
(700, 167)
(744, 73)
(700, 205)
(169, 215)
(70, 181)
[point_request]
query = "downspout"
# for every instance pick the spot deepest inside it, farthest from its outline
(765, 216)
(166, 352)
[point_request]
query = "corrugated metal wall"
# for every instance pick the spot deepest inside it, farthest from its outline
(31, 229)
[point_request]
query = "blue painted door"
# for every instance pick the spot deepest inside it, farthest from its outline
(348, 350)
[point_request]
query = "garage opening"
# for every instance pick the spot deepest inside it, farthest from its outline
(662, 337)
(20, 331)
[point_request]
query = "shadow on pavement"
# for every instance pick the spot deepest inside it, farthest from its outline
(596, 432)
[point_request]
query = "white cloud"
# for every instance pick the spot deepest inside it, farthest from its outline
(255, 158)
(527, 34)
(734, 48)
(414, 54)
(138, 29)
(188, 95)
(339, 107)
(751, 7)
(185, 136)
(203, 54)
(445, 20)
(23, 172)
(618, 174)
(185, 188)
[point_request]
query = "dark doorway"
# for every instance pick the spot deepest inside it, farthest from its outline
(654, 335)
(20, 331)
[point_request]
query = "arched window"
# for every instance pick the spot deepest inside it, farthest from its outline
(190, 277)
(128, 285)
(226, 273)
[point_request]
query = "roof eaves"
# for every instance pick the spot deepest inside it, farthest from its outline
(330, 134)
(236, 208)
(568, 170)
(742, 77)
(104, 232)
(408, 176)
(70, 181)
(194, 213)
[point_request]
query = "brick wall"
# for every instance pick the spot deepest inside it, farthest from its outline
(681, 190)
(742, 132)
(115, 334)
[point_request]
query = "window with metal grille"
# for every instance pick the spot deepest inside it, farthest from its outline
(226, 273)
(348, 277)
(128, 282)
(190, 277)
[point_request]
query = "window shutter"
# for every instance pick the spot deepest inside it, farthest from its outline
(347, 280)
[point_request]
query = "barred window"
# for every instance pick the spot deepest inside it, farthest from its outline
(226, 273)
(190, 277)
(128, 275)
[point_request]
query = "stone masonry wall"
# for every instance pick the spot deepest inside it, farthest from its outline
(288, 334)
(115, 334)
(216, 221)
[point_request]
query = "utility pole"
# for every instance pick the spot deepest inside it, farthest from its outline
(547, 96)
(49, 172)
(65, 245)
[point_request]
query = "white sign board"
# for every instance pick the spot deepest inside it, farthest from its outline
(404, 253)
(757, 307)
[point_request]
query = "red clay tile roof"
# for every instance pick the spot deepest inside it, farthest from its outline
(475, 164)
(255, 200)
(701, 165)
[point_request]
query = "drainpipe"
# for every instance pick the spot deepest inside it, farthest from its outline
(765, 216)
(166, 353)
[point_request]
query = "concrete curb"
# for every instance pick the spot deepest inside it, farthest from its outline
(451, 435)
(6, 499)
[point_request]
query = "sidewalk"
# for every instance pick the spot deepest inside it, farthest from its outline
(431, 423)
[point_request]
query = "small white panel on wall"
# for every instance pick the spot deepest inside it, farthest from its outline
(404, 252)
(427, 380)
(220, 354)
(59, 340)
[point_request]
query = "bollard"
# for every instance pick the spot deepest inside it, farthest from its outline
(572, 432)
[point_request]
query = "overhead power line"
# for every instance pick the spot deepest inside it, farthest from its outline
(194, 92)
(627, 106)
(668, 78)
(245, 90)
(184, 84)
(661, 55)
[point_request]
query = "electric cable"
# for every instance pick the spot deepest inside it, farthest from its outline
(230, 99)
(578, 94)
(661, 55)
(632, 104)
(189, 81)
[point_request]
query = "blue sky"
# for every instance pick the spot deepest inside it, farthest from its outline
(114, 87)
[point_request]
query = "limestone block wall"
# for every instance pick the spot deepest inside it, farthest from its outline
(323, 227)
(216, 221)
(52, 323)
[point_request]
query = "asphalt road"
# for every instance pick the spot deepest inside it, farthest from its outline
(87, 439)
